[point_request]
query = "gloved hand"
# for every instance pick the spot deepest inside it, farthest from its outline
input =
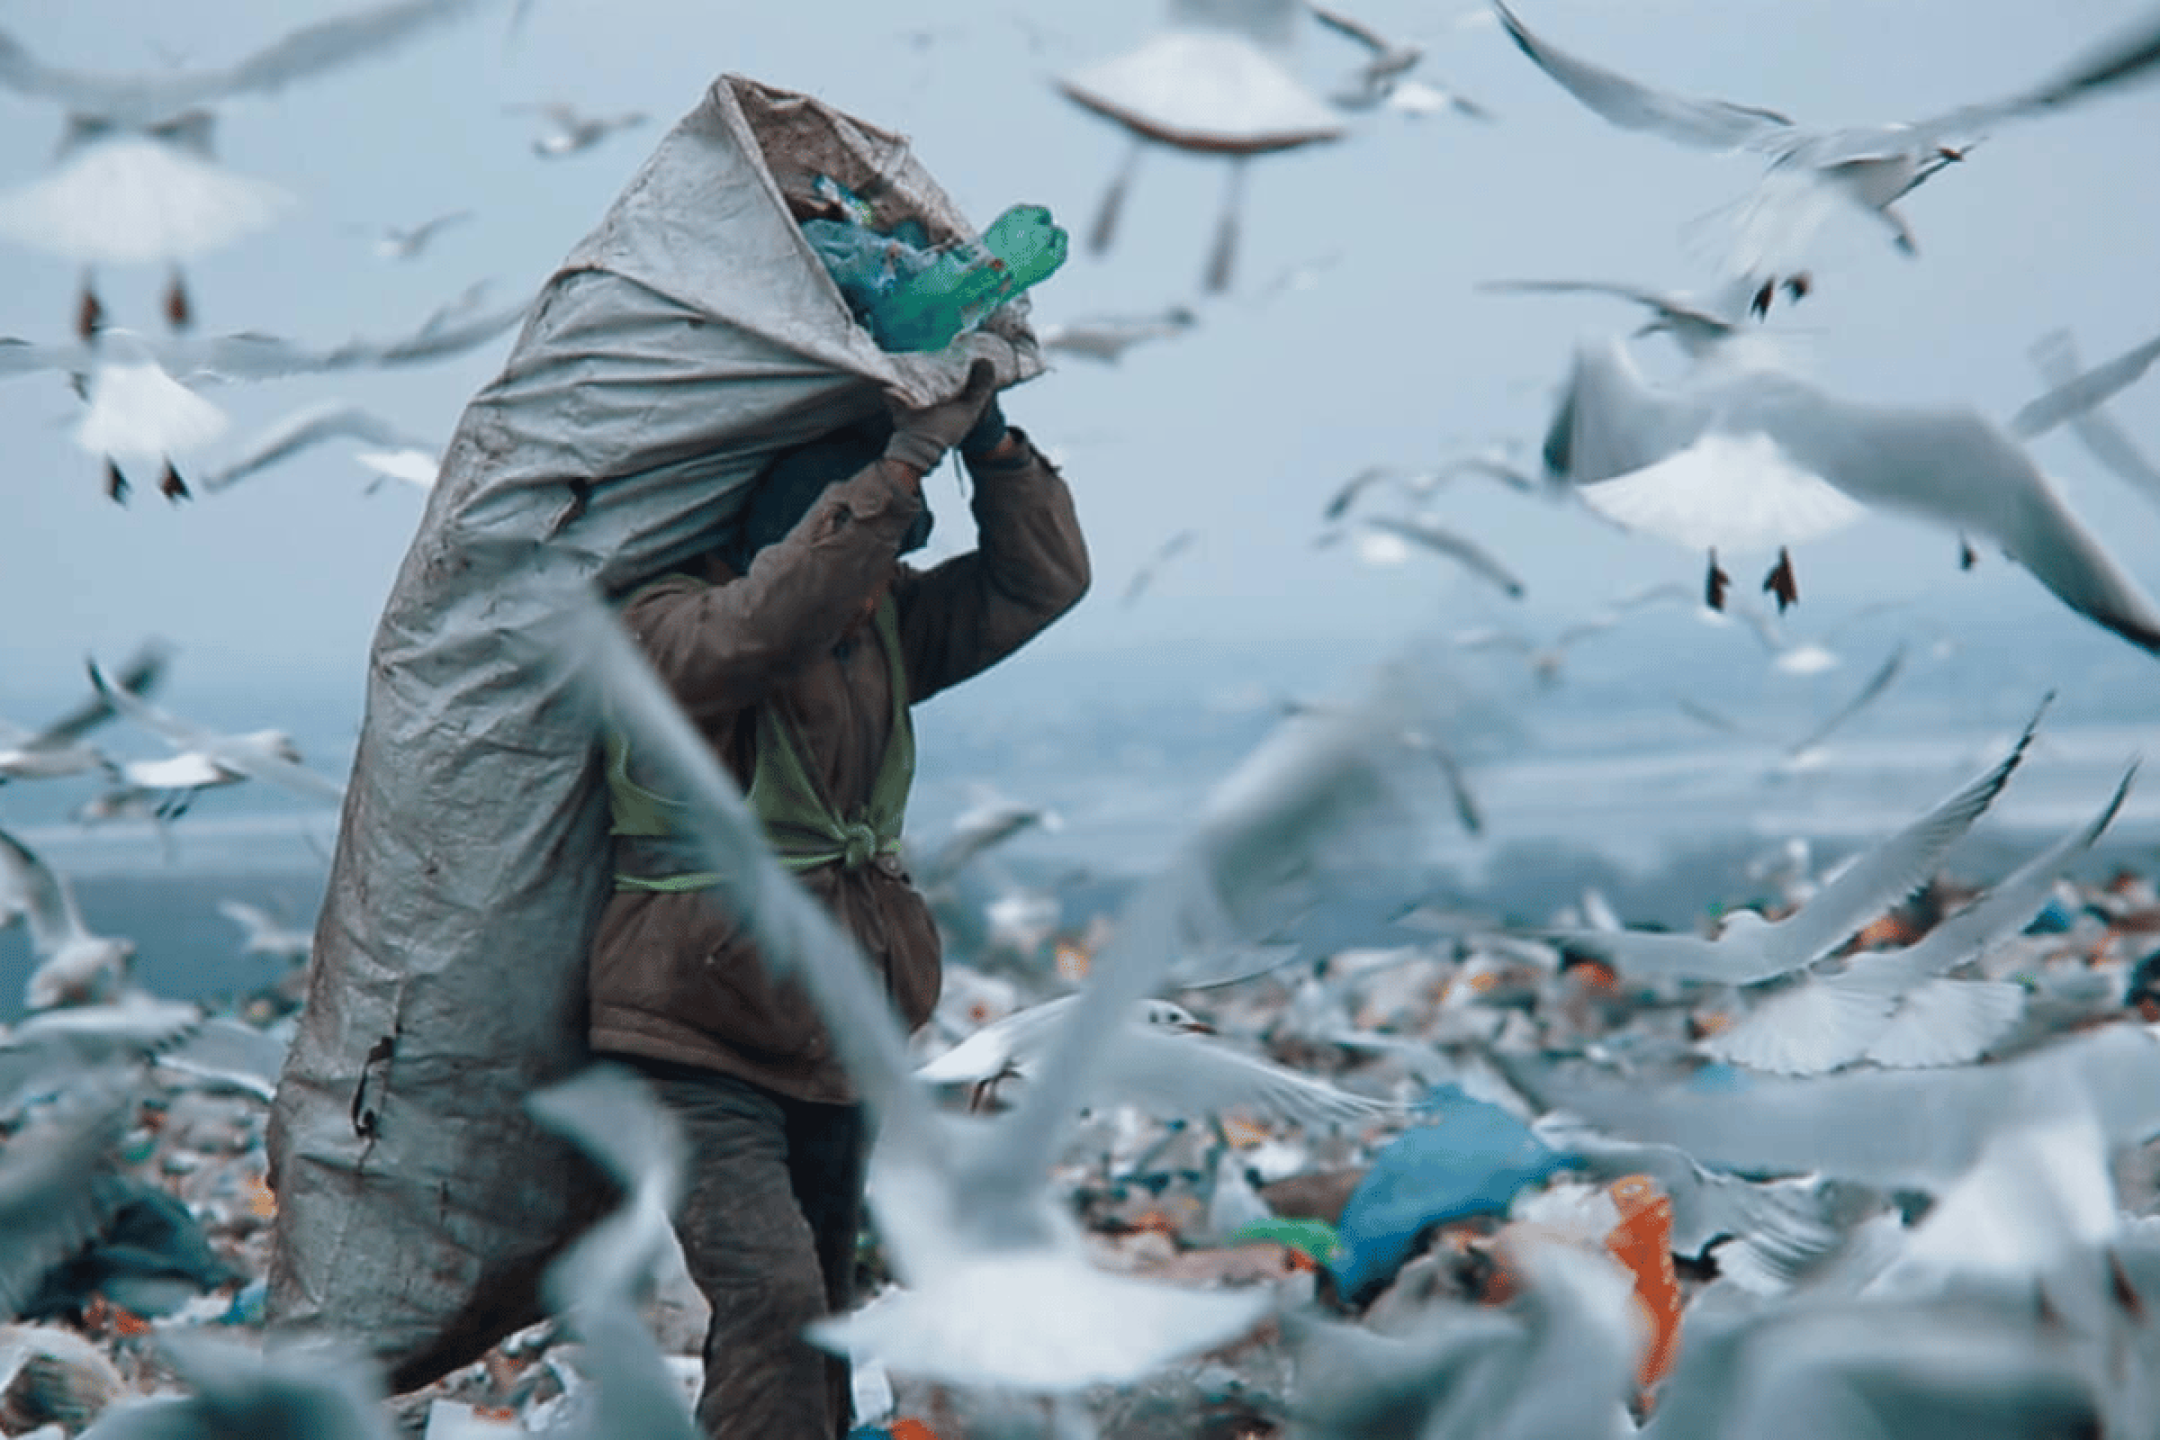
(988, 434)
(921, 437)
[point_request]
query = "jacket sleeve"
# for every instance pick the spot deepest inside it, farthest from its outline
(721, 647)
(1029, 566)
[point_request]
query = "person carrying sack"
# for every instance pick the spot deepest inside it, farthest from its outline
(798, 648)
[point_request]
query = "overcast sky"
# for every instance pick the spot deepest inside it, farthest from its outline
(1238, 430)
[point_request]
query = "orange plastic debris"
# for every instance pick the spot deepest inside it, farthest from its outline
(912, 1429)
(260, 1200)
(126, 1321)
(1642, 1241)
(1072, 961)
(1242, 1134)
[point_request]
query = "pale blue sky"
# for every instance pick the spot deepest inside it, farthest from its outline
(1238, 430)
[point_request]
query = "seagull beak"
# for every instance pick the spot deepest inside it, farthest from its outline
(1195, 1027)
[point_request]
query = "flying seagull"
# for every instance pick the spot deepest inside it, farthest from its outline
(137, 180)
(1866, 166)
(1214, 81)
(1748, 456)
(2075, 398)
(1384, 80)
(1749, 949)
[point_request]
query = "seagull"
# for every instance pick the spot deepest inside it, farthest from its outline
(1384, 79)
(76, 967)
(1492, 463)
(264, 935)
(251, 355)
(995, 1286)
(135, 411)
(1750, 950)
(1698, 325)
(980, 829)
(54, 1051)
(1894, 1007)
(1545, 659)
(1787, 657)
(1108, 338)
(207, 758)
(2075, 398)
(50, 1206)
(1440, 541)
(58, 749)
(311, 425)
(137, 181)
(405, 242)
(1740, 457)
(1159, 1062)
(597, 1284)
(1213, 81)
(1169, 550)
(567, 130)
(140, 404)
(1867, 166)
(1805, 750)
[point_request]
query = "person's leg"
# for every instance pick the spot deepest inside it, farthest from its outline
(827, 1148)
(754, 1256)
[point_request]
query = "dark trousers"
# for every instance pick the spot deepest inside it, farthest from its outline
(772, 1199)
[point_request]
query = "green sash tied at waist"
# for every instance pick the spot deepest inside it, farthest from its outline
(801, 823)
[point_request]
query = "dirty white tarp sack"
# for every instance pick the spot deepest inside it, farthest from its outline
(684, 342)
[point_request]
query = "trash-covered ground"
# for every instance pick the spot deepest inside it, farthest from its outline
(1430, 1205)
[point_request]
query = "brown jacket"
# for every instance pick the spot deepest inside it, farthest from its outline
(671, 977)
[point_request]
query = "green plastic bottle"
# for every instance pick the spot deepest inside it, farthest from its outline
(967, 282)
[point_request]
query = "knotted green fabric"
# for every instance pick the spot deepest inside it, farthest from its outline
(801, 822)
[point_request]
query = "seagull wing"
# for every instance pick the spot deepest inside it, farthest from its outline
(1891, 1128)
(1631, 105)
(1807, 1028)
(1170, 1074)
(156, 94)
(1014, 1040)
(2006, 908)
(1896, 867)
(1473, 556)
(1728, 492)
(259, 764)
(1672, 307)
(1948, 1022)
(157, 720)
(328, 44)
(50, 1204)
(2125, 57)
(1958, 469)
(141, 674)
(310, 425)
(1651, 954)
(1350, 29)
(2080, 394)
(43, 897)
(1868, 694)
(2055, 355)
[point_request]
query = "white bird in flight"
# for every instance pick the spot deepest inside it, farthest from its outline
(1750, 949)
(309, 426)
(1213, 81)
(566, 130)
(136, 180)
(1749, 456)
(2075, 397)
(1813, 171)
(76, 966)
(206, 758)
(1384, 80)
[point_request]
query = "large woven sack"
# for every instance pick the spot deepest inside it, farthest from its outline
(681, 344)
